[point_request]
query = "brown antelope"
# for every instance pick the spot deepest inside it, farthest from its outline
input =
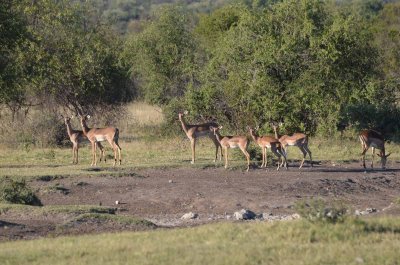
(76, 137)
(232, 142)
(193, 132)
(373, 139)
(269, 142)
(94, 135)
(297, 139)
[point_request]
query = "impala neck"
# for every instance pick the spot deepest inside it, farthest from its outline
(85, 128)
(218, 136)
(276, 133)
(183, 123)
(254, 136)
(69, 128)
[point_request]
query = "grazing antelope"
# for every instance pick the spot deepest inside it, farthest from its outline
(269, 142)
(373, 139)
(76, 137)
(232, 142)
(297, 139)
(94, 135)
(193, 132)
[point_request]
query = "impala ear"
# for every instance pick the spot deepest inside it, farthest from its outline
(258, 127)
(211, 128)
(388, 155)
(379, 155)
(220, 127)
(186, 112)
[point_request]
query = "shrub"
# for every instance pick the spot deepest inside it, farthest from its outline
(17, 191)
(317, 210)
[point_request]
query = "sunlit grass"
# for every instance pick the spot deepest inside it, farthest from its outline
(297, 242)
(161, 153)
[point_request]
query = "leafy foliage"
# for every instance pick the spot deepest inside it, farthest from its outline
(318, 211)
(17, 191)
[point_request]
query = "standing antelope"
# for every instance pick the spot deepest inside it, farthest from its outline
(373, 139)
(193, 132)
(269, 142)
(76, 137)
(297, 139)
(95, 135)
(232, 142)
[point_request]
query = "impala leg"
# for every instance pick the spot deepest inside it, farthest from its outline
(115, 154)
(284, 151)
(304, 156)
(73, 154)
(76, 154)
(226, 157)
(309, 153)
(193, 145)
(217, 145)
(373, 157)
(263, 157)
(93, 153)
(247, 155)
(363, 156)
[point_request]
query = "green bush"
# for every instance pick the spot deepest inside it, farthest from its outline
(317, 210)
(17, 191)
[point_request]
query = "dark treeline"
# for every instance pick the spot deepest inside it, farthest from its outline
(317, 66)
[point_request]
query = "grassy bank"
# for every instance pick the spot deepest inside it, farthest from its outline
(230, 243)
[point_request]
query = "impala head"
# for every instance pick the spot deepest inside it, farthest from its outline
(180, 114)
(67, 119)
(215, 129)
(383, 159)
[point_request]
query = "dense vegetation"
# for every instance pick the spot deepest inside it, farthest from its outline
(318, 66)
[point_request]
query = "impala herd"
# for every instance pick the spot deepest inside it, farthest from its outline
(277, 144)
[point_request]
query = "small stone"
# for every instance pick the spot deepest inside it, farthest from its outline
(170, 181)
(189, 216)
(244, 215)
(117, 202)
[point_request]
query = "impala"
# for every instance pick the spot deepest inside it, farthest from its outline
(231, 142)
(193, 132)
(269, 142)
(297, 139)
(373, 139)
(94, 135)
(76, 137)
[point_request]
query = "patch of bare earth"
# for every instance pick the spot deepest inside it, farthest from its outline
(163, 196)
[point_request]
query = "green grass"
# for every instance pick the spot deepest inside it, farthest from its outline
(54, 209)
(121, 219)
(353, 242)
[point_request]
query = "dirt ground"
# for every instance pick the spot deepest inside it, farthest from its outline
(163, 196)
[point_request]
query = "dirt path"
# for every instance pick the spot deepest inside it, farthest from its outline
(163, 196)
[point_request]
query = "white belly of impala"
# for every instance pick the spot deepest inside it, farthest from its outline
(373, 145)
(233, 145)
(100, 138)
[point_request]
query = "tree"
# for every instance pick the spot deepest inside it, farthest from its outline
(12, 34)
(162, 58)
(73, 58)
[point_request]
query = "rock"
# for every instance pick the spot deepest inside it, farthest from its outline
(189, 216)
(244, 215)
(170, 181)
(371, 210)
